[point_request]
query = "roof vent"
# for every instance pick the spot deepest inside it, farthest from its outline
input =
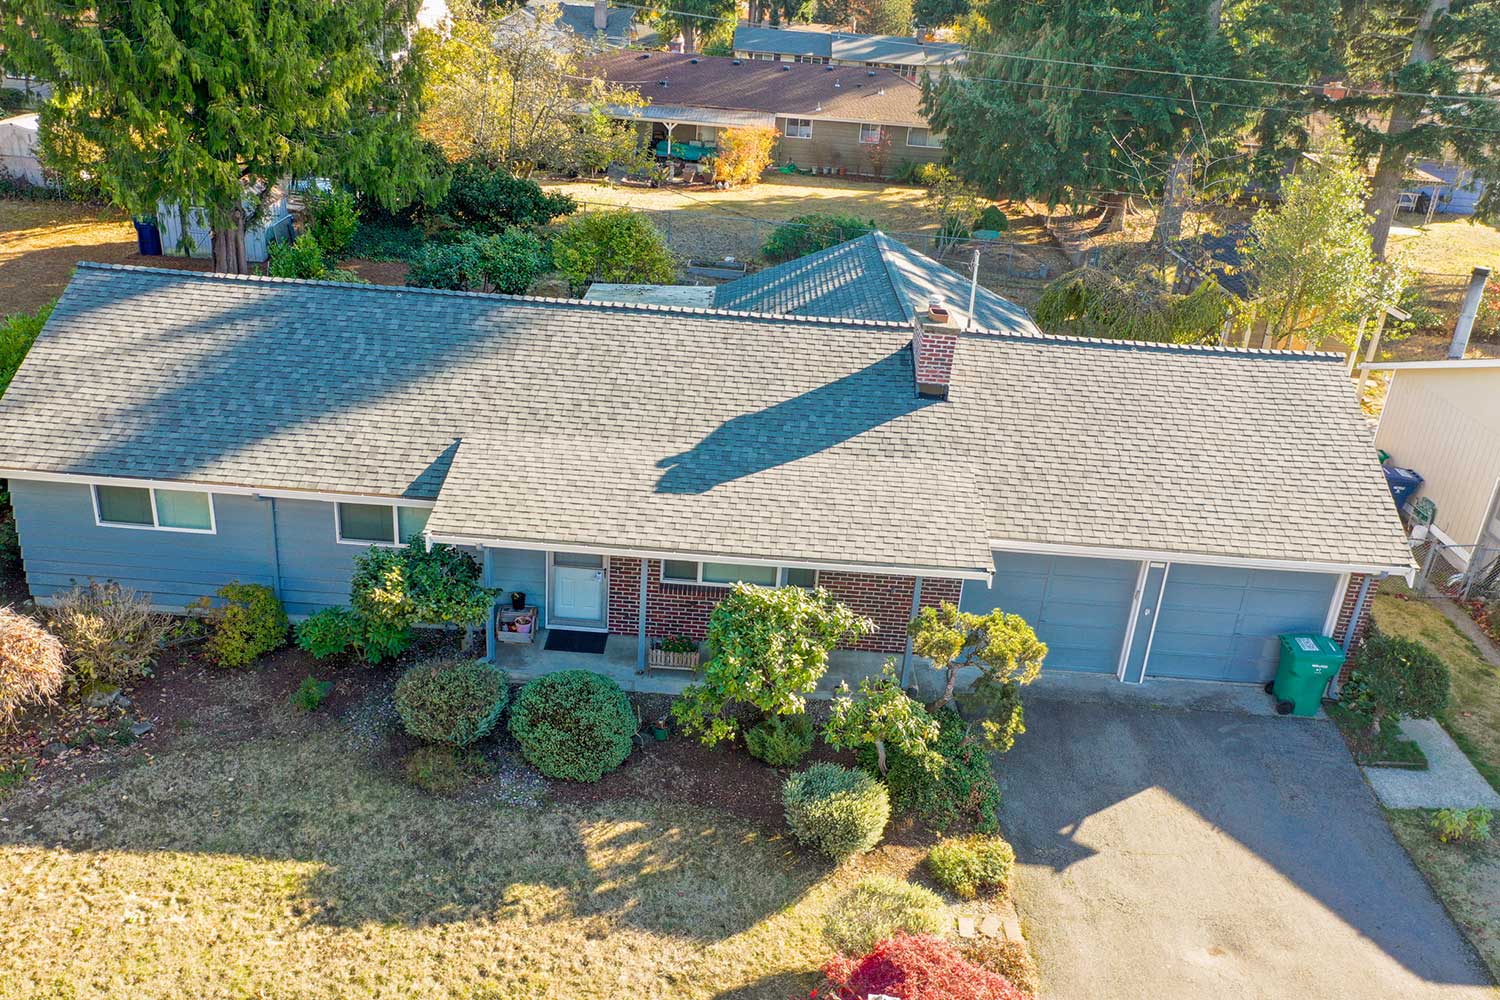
(838, 84)
(736, 62)
(869, 72)
(694, 61)
(661, 83)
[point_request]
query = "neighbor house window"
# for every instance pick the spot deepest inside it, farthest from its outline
(143, 507)
(869, 134)
(724, 574)
(924, 138)
(707, 135)
(379, 523)
(799, 128)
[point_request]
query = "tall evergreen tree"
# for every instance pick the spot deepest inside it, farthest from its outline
(208, 103)
(693, 19)
(1399, 54)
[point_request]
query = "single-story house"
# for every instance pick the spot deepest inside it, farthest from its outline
(598, 24)
(903, 54)
(1153, 510)
(830, 117)
(1442, 419)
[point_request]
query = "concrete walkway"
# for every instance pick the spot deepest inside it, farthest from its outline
(1450, 781)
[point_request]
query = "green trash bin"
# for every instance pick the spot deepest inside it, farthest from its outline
(1308, 662)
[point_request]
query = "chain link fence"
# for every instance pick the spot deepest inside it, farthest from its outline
(1466, 572)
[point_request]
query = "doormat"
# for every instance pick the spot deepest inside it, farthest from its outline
(563, 641)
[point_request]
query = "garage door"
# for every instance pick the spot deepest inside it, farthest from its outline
(1220, 624)
(1078, 606)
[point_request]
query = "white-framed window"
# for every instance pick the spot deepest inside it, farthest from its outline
(715, 574)
(870, 134)
(799, 128)
(708, 135)
(378, 523)
(924, 138)
(154, 509)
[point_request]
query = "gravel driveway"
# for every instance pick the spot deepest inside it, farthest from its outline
(1167, 853)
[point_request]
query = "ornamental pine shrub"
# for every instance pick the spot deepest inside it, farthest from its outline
(451, 701)
(109, 634)
(248, 623)
(961, 790)
(31, 664)
(574, 724)
(781, 740)
(834, 810)
(966, 865)
(916, 967)
(880, 907)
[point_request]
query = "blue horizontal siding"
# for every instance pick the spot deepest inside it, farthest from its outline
(518, 569)
(315, 568)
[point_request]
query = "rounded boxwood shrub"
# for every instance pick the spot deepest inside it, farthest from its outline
(834, 810)
(452, 701)
(574, 724)
(781, 740)
(880, 907)
(965, 865)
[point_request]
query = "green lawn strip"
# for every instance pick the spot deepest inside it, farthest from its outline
(1389, 749)
(1473, 715)
(1465, 879)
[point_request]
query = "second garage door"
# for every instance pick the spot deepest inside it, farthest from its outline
(1220, 624)
(1079, 607)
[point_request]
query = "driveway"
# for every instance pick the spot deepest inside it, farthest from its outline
(1166, 853)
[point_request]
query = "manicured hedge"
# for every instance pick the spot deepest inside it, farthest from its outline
(574, 724)
(834, 810)
(451, 701)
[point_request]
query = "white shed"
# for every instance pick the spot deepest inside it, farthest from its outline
(19, 145)
(171, 220)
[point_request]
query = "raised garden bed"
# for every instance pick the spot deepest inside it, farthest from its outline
(1389, 749)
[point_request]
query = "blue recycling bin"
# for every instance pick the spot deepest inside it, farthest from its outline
(147, 237)
(1403, 483)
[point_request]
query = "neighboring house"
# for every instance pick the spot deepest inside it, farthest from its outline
(1152, 510)
(1442, 419)
(903, 54)
(1220, 256)
(1453, 185)
(873, 277)
(20, 149)
(830, 117)
(188, 233)
(597, 23)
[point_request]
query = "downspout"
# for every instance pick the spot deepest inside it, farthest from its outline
(275, 551)
(916, 606)
(640, 620)
(1359, 608)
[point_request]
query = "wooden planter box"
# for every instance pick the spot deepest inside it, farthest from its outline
(657, 659)
(508, 615)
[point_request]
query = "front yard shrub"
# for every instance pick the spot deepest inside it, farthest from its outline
(916, 967)
(961, 790)
(1396, 676)
(966, 865)
(332, 220)
(834, 810)
(781, 740)
(444, 770)
(1002, 646)
(574, 724)
(612, 246)
(109, 634)
(31, 664)
(879, 907)
(881, 715)
(1011, 959)
(393, 589)
(310, 694)
(507, 262)
(491, 199)
(330, 632)
(1461, 826)
(451, 701)
(807, 234)
(248, 623)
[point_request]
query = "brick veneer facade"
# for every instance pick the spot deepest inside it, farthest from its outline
(683, 609)
(1346, 612)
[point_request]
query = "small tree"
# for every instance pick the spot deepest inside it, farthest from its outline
(1002, 646)
(805, 234)
(332, 220)
(743, 154)
(770, 645)
(613, 246)
(882, 714)
(879, 151)
(1396, 677)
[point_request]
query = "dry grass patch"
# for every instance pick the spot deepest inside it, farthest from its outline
(1466, 879)
(291, 866)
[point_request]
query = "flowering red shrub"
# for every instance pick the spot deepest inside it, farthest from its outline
(917, 967)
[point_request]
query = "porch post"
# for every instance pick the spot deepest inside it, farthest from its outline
(640, 621)
(916, 606)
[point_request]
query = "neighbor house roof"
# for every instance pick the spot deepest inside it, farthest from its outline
(637, 428)
(900, 50)
(799, 90)
(578, 18)
(872, 277)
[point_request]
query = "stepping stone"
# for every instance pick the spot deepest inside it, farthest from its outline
(1012, 928)
(141, 729)
(990, 926)
(965, 927)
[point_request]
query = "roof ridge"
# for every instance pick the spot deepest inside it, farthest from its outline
(904, 292)
(1065, 338)
(354, 286)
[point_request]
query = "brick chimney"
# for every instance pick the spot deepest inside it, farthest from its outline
(601, 15)
(933, 346)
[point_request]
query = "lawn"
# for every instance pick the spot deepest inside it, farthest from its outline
(1452, 244)
(1466, 879)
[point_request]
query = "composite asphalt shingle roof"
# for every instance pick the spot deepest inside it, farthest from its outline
(698, 432)
(870, 277)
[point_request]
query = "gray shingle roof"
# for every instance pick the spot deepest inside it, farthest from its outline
(899, 50)
(872, 277)
(709, 433)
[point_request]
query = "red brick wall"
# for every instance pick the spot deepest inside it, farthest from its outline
(934, 351)
(1346, 612)
(678, 609)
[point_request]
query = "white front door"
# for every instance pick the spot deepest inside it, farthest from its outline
(578, 590)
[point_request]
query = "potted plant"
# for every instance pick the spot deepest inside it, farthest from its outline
(676, 652)
(659, 730)
(517, 600)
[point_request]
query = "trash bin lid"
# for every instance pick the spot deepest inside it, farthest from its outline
(1311, 645)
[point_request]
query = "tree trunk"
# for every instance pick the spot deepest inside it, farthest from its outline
(1113, 219)
(880, 756)
(948, 688)
(1174, 199)
(229, 244)
(1391, 167)
(689, 35)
